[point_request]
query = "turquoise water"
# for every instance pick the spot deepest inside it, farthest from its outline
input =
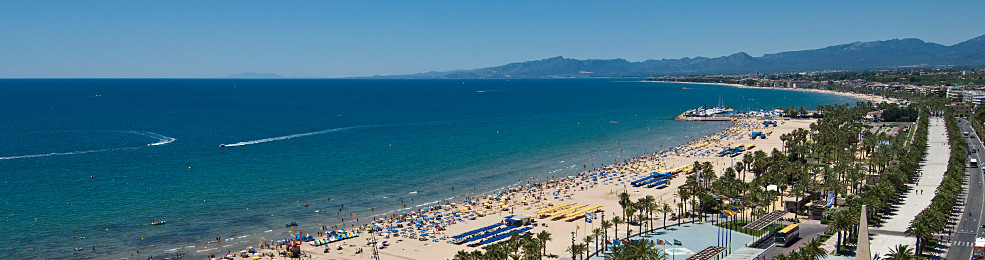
(102, 158)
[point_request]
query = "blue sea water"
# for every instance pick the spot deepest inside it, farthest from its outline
(102, 158)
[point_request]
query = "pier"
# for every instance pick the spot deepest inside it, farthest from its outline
(681, 117)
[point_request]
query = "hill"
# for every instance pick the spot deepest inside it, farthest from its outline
(894, 53)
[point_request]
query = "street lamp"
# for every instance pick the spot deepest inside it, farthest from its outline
(573, 245)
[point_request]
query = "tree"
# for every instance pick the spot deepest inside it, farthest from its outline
(588, 241)
(577, 249)
(629, 211)
(813, 251)
(606, 225)
(666, 208)
(616, 221)
(596, 234)
(841, 221)
(682, 194)
(637, 249)
(543, 237)
(624, 202)
(901, 252)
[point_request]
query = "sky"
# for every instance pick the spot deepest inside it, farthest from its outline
(305, 39)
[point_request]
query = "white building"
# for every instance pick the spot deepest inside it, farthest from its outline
(974, 96)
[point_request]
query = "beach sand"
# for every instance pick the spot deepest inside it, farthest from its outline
(578, 190)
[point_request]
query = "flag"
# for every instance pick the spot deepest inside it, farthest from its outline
(577, 227)
(661, 242)
(588, 220)
(678, 243)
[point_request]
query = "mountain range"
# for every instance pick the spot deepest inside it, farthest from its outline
(896, 53)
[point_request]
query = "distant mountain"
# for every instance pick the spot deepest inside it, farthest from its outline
(853, 56)
(254, 75)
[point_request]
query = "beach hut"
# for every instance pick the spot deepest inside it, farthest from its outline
(519, 220)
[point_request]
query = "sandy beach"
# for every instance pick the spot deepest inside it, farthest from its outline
(599, 187)
(427, 234)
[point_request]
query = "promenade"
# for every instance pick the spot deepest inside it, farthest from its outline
(918, 195)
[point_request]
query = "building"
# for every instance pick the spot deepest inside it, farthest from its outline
(874, 115)
(962, 109)
(974, 96)
(955, 92)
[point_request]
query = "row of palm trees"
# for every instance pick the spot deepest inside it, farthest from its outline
(834, 154)
(894, 158)
(517, 247)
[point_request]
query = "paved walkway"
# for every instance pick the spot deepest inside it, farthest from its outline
(917, 197)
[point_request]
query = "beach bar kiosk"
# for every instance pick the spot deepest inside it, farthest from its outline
(519, 220)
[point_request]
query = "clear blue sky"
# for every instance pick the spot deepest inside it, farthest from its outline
(357, 38)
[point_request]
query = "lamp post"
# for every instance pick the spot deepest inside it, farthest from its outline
(572, 245)
(605, 241)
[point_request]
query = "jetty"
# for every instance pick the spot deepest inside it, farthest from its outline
(683, 117)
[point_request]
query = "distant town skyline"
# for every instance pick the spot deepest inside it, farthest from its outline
(325, 39)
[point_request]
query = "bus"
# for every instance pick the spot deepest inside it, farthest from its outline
(787, 234)
(973, 163)
(978, 252)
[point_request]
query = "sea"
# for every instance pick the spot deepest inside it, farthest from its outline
(87, 164)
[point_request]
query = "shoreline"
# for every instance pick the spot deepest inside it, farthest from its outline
(576, 189)
(275, 233)
(865, 97)
(598, 187)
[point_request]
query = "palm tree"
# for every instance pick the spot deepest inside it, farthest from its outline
(642, 205)
(901, 252)
(532, 247)
(840, 222)
(920, 229)
(496, 251)
(513, 246)
(576, 250)
(588, 241)
(543, 237)
(639, 249)
(616, 221)
(464, 255)
(682, 194)
(666, 208)
(606, 225)
(596, 234)
(630, 211)
(651, 205)
(813, 251)
(624, 202)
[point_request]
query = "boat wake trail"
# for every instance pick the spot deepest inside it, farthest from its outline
(279, 138)
(161, 140)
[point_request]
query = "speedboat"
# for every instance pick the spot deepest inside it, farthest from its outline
(158, 222)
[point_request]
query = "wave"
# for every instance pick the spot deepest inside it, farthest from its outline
(279, 138)
(161, 140)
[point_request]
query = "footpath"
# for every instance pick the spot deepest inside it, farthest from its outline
(918, 195)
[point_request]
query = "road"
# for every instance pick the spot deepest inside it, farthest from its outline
(808, 231)
(969, 227)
